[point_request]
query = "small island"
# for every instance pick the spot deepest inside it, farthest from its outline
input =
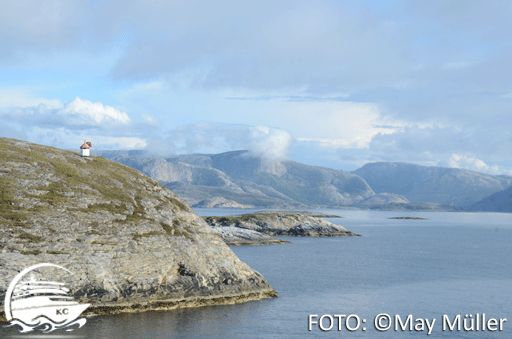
(409, 218)
(258, 228)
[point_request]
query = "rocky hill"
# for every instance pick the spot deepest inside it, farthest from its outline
(287, 223)
(131, 243)
(240, 179)
(497, 202)
(431, 184)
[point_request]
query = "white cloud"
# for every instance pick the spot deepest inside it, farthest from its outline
(207, 137)
(150, 120)
(270, 142)
(351, 124)
(325, 143)
(470, 163)
(102, 142)
(76, 114)
(86, 113)
(79, 119)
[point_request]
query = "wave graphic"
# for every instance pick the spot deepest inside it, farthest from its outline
(46, 325)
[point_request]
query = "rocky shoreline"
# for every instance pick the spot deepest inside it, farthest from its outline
(131, 243)
(234, 236)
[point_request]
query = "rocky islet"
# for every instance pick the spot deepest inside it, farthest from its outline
(283, 223)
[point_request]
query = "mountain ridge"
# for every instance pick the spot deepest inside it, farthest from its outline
(498, 202)
(431, 184)
(246, 179)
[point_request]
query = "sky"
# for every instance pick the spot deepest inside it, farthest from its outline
(328, 83)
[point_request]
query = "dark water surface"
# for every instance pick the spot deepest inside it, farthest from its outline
(454, 264)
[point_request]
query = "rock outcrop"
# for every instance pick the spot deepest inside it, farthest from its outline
(282, 223)
(234, 236)
(131, 243)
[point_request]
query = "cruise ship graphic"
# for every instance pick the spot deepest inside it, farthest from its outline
(38, 303)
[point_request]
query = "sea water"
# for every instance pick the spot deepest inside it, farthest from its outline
(455, 264)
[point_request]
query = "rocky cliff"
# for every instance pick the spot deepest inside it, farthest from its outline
(131, 243)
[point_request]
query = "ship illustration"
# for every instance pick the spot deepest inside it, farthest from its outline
(39, 304)
(34, 299)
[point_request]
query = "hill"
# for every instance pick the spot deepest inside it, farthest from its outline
(241, 179)
(497, 202)
(431, 184)
(131, 243)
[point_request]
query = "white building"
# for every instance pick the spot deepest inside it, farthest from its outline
(85, 148)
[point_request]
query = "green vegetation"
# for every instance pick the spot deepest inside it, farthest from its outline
(67, 172)
(176, 230)
(84, 177)
(30, 237)
(137, 236)
(179, 204)
(138, 212)
(8, 210)
(168, 229)
(54, 196)
(56, 252)
(230, 220)
(112, 207)
(34, 252)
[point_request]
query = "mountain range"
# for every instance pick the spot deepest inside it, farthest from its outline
(242, 179)
(422, 184)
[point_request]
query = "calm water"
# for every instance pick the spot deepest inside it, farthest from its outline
(454, 264)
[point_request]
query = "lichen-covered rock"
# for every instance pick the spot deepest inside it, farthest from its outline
(131, 243)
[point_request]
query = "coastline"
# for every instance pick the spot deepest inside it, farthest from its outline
(171, 304)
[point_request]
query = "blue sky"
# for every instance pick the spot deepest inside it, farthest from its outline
(328, 83)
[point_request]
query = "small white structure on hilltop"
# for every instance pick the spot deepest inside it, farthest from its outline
(85, 148)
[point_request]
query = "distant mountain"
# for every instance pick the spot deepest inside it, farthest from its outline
(422, 184)
(243, 179)
(497, 202)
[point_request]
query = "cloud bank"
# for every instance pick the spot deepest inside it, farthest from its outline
(210, 137)
(325, 82)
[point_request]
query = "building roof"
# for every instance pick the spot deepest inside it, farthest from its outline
(86, 145)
